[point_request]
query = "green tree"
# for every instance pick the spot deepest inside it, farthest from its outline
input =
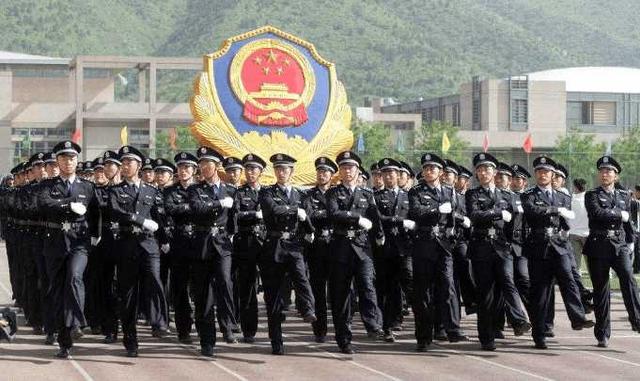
(185, 141)
(578, 152)
(625, 151)
(429, 139)
(376, 140)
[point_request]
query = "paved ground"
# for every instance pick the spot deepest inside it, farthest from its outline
(572, 356)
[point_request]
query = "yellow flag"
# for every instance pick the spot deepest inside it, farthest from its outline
(445, 142)
(124, 136)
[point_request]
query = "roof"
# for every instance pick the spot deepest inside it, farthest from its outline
(21, 58)
(596, 79)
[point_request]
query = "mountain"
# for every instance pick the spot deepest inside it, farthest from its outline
(399, 48)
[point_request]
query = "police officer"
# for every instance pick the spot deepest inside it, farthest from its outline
(233, 170)
(147, 175)
(516, 232)
(211, 203)
(137, 207)
(64, 200)
(377, 183)
(288, 225)
(548, 252)
(394, 273)
(406, 176)
(318, 255)
(489, 209)
(248, 244)
(353, 213)
(431, 206)
(610, 246)
(183, 247)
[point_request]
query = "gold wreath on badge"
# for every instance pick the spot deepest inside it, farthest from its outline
(279, 104)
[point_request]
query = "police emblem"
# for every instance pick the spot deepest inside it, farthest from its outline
(125, 150)
(605, 159)
(267, 91)
(543, 160)
(183, 156)
(159, 161)
(67, 144)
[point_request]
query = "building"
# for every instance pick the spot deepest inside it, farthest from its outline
(44, 100)
(604, 101)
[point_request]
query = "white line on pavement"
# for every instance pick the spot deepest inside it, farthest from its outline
(81, 370)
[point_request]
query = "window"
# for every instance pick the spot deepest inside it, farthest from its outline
(427, 115)
(519, 112)
(599, 113)
(519, 83)
(455, 114)
(476, 111)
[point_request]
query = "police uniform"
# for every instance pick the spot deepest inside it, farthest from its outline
(547, 249)
(318, 255)
(287, 225)
(184, 249)
(394, 272)
(608, 246)
(434, 289)
(490, 253)
(247, 246)
(351, 212)
(67, 205)
(137, 207)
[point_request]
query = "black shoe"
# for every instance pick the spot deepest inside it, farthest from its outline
(389, 338)
(541, 345)
(50, 339)
(236, 330)
(283, 317)
(347, 349)
(441, 335)
(472, 309)
(498, 335)
(549, 333)
(320, 339)
(491, 346)
(422, 346)
(160, 332)
(604, 343)
(185, 339)
(522, 328)
(310, 318)
(96, 331)
(38, 331)
(583, 325)
(77, 333)
(249, 339)
(397, 328)
(377, 334)
(110, 338)
(230, 339)
(63, 353)
(132, 353)
(406, 312)
(206, 350)
(457, 337)
(277, 349)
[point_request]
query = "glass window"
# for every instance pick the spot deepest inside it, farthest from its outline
(599, 113)
(519, 111)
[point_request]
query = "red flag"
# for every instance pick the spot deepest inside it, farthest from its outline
(485, 143)
(527, 146)
(76, 136)
(173, 135)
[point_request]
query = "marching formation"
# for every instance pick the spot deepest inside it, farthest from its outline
(98, 245)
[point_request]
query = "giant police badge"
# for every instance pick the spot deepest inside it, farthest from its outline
(267, 91)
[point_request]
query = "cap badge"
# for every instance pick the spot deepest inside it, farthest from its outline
(347, 155)
(203, 150)
(183, 156)
(125, 149)
(605, 160)
(279, 157)
(67, 145)
(386, 161)
(482, 156)
(543, 160)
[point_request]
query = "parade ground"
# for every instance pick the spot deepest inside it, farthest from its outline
(572, 355)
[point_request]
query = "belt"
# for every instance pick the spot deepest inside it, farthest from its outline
(254, 229)
(213, 229)
(610, 233)
(280, 234)
(491, 233)
(550, 232)
(349, 233)
(435, 231)
(65, 226)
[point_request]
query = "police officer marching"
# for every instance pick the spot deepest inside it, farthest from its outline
(65, 201)
(610, 246)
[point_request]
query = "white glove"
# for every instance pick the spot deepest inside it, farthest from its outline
(150, 225)
(466, 222)
(506, 216)
(165, 248)
(310, 237)
(226, 202)
(95, 241)
(365, 223)
(380, 241)
(79, 208)
(568, 214)
(520, 209)
(445, 208)
(632, 246)
(625, 216)
(408, 224)
(302, 214)
(259, 214)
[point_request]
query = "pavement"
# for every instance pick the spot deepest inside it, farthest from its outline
(572, 355)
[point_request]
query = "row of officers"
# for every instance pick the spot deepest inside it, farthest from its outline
(100, 252)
